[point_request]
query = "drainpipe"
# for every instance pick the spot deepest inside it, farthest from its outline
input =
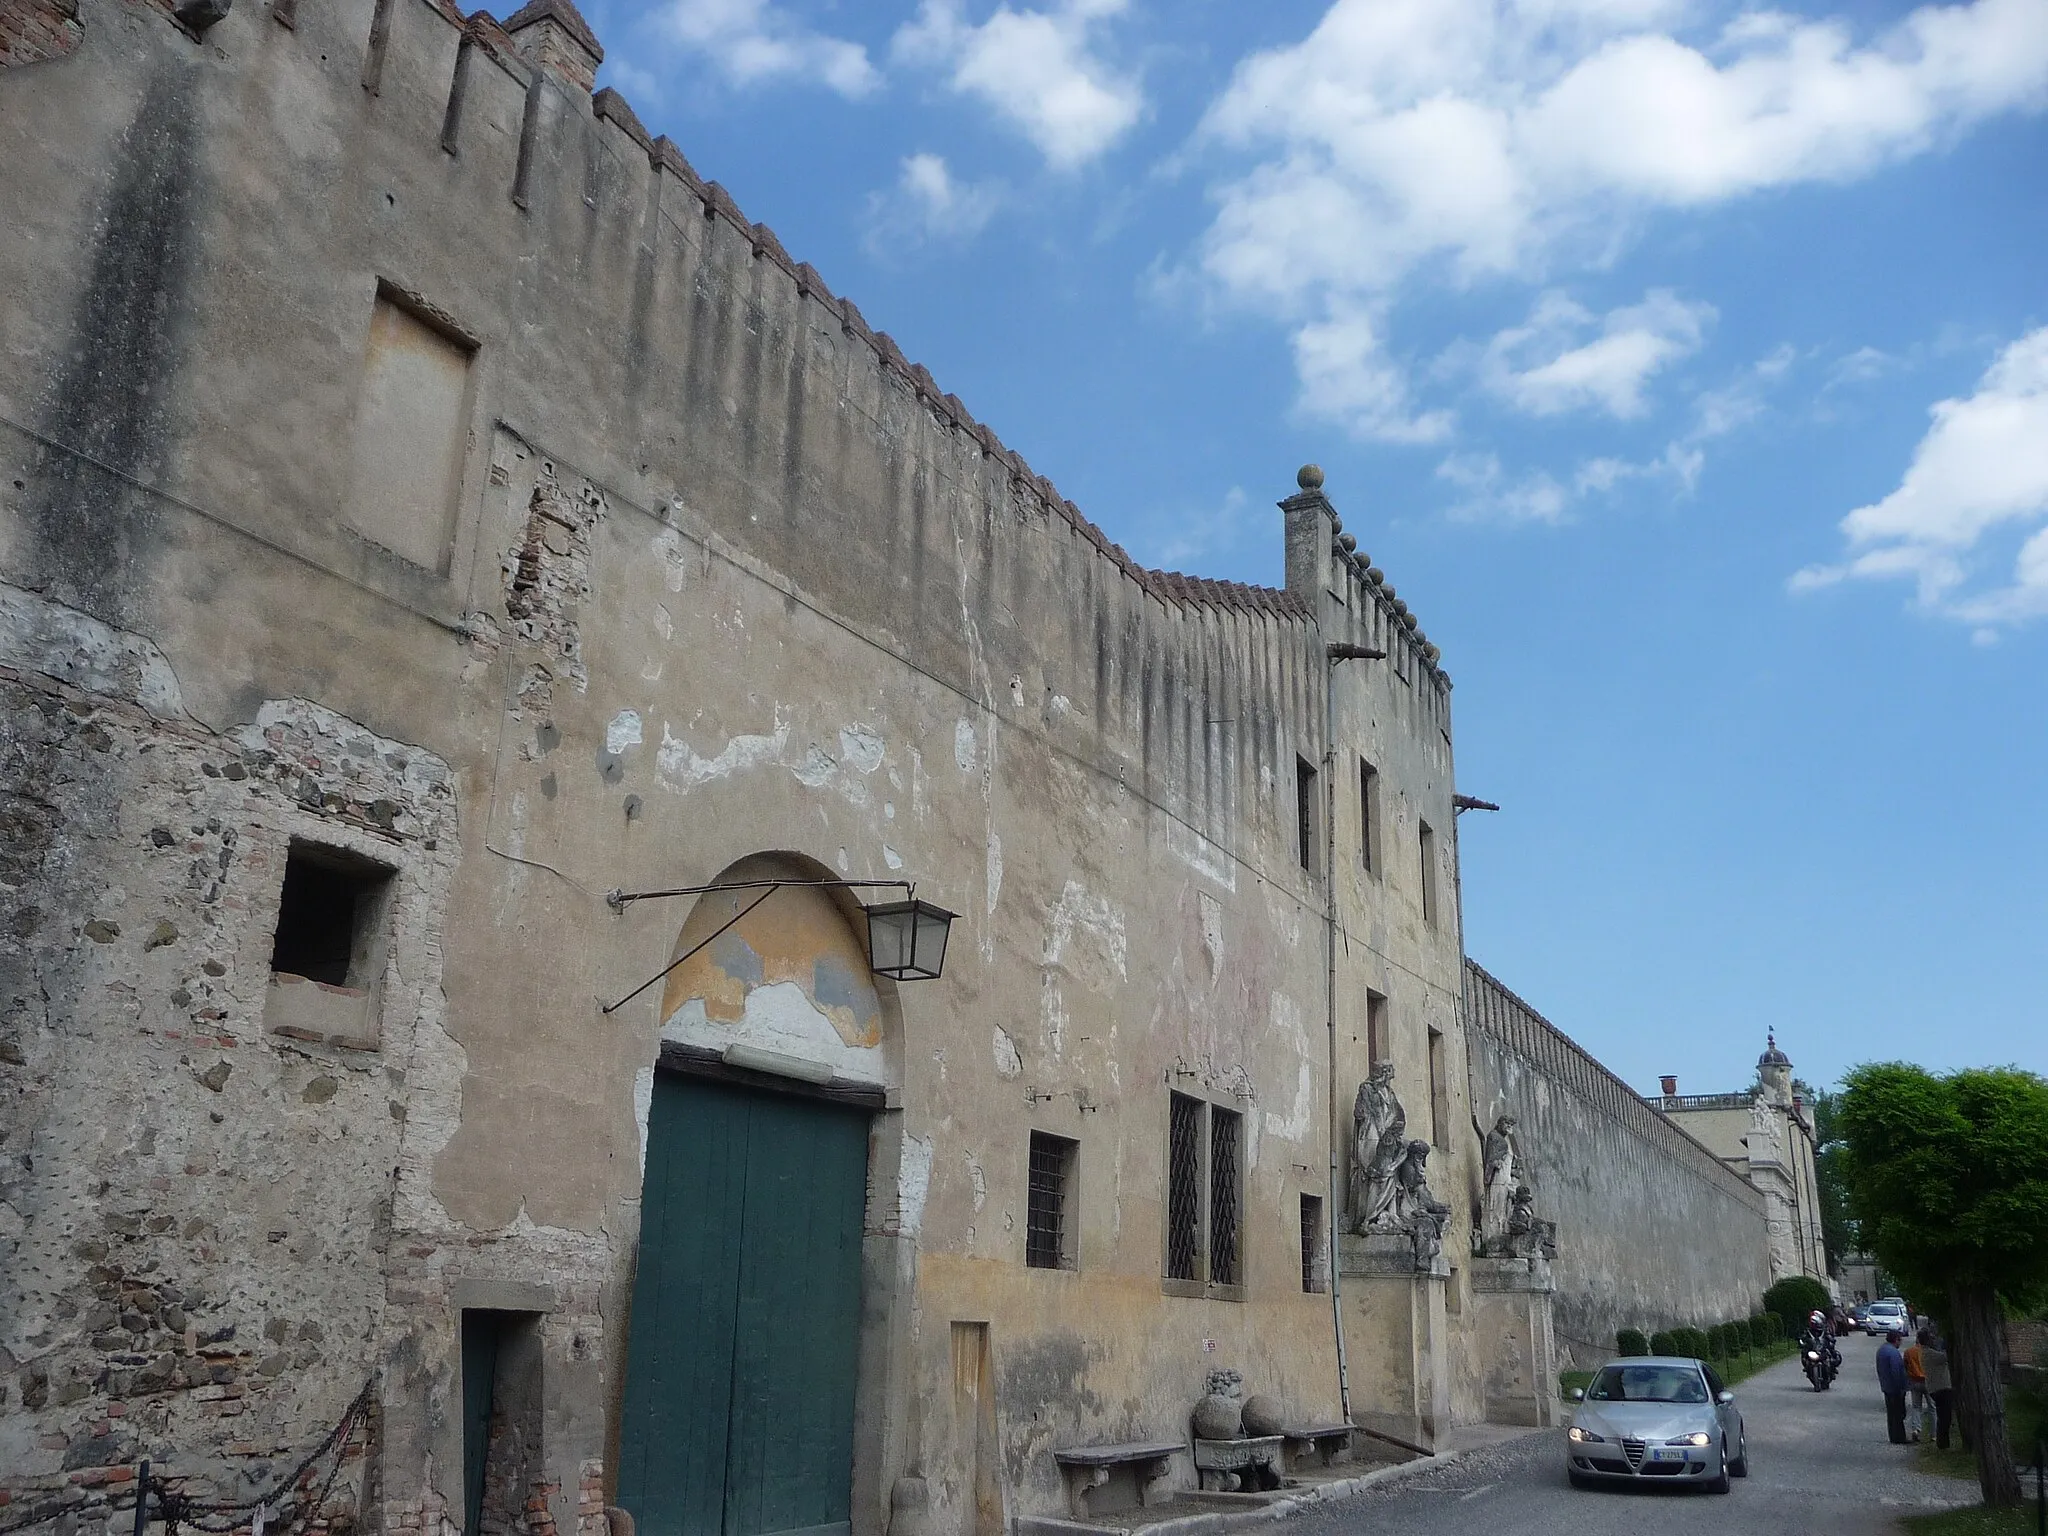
(1336, 652)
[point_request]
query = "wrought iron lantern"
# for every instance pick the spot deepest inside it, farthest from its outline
(907, 940)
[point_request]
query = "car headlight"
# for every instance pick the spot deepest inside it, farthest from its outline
(1698, 1437)
(1580, 1436)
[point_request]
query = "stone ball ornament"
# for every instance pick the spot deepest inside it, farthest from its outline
(1349, 541)
(1264, 1415)
(1309, 477)
(1220, 1414)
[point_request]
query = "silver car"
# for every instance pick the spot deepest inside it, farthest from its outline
(1658, 1417)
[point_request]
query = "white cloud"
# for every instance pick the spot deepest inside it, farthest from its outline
(1345, 379)
(1488, 494)
(1038, 70)
(753, 41)
(1544, 368)
(1979, 474)
(1201, 533)
(1469, 139)
(926, 205)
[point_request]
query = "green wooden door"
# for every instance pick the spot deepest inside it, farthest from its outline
(746, 1311)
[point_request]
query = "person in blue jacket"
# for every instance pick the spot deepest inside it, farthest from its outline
(1891, 1380)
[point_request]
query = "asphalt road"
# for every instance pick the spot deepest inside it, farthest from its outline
(1819, 1466)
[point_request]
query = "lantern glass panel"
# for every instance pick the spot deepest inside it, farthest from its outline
(891, 932)
(934, 925)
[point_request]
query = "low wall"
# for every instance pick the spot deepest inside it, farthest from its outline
(1653, 1230)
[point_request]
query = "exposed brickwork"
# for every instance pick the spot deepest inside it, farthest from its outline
(34, 31)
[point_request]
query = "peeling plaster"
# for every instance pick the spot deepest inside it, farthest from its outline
(1008, 1062)
(779, 1017)
(623, 732)
(913, 1182)
(964, 747)
(679, 763)
(1085, 935)
(37, 635)
(995, 871)
(891, 857)
(978, 1181)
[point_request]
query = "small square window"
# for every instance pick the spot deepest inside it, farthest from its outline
(1048, 1214)
(1378, 1046)
(330, 917)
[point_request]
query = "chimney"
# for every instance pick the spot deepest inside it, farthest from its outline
(1670, 1086)
(554, 35)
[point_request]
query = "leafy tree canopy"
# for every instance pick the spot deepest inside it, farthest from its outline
(1948, 1176)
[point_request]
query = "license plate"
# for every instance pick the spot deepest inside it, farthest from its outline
(1667, 1455)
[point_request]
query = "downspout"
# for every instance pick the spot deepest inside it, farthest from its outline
(1330, 1002)
(1334, 653)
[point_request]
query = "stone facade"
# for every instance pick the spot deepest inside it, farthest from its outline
(1766, 1135)
(1653, 1230)
(417, 484)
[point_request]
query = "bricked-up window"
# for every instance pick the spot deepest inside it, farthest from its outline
(1305, 813)
(1204, 1199)
(1378, 1047)
(1428, 875)
(1049, 1203)
(1369, 816)
(1312, 1244)
(411, 432)
(1439, 1091)
(330, 917)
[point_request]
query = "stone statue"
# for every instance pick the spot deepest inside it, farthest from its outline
(1417, 1211)
(1378, 1136)
(1528, 1236)
(1501, 1160)
(1220, 1413)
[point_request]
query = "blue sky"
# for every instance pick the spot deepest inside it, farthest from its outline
(1684, 364)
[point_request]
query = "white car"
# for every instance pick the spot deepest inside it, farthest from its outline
(1884, 1317)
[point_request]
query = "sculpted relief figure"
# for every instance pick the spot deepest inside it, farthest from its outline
(1528, 1235)
(1379, 1127)
(1417, 1211)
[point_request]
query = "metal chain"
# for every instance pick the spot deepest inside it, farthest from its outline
(176, 1509)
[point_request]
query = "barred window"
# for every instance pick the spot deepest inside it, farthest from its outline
(1048, 1215)
(1204, 1199)
(1312, 1243)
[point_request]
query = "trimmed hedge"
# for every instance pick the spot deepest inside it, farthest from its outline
(1631, 1341)
(1792, 1298)
(1662, 1342)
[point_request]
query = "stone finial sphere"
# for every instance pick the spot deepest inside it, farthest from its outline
(1309, 477)
(1349, 541)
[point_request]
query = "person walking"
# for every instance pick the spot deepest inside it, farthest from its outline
(1940, 1388)
(1891, 1380)
(1917, 1404)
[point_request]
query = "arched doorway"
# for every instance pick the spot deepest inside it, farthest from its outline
(743, 1353)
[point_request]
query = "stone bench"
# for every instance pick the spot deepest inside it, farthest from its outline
(1088, 1467)
(1323, 1441)
(1233, 1466)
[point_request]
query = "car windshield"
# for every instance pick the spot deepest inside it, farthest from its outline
(1648, 1384)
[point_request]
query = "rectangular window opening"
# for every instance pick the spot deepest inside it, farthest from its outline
(501, 1418)
(1312, 1277)
(1226, 1142)
(331, 917)
(1305, 812)
(1428, 875)
(1184, 1188)
(1378, 1047)
(1439, 1092)
(1048, 1215)
(1369, 816)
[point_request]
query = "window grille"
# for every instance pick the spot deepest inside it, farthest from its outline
(1184, 1188)
(1045, 1215)
(1311, 1242)
(1305, 812)
(1224, 1125)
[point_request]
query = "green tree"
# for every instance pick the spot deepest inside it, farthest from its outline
(1948, 1179)
(1830, 1165)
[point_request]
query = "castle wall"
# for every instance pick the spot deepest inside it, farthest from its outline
(721, 574)
(1653, 1231)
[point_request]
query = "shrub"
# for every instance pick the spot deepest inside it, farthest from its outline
(1693, 1341)
(1740, 1341)
(1630, 1341)
(1663, 1343)
(1717, 1342)
(1773, 1326)
(1792, 1298)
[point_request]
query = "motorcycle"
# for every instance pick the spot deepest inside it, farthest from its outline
(1821, 1363)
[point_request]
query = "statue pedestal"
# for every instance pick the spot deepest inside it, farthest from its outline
(1512, 1302)
(1400, 1324)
